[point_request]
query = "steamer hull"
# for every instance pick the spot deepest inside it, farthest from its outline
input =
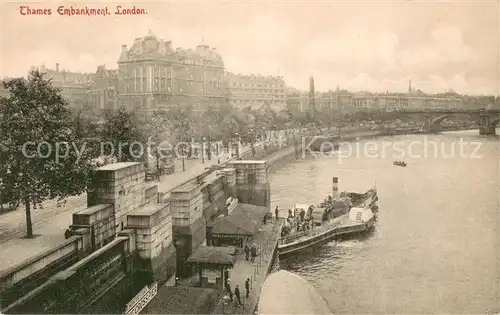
(360, 219)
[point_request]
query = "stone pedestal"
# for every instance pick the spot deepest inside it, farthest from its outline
(229, 182)
(252, 182)
(119, 184)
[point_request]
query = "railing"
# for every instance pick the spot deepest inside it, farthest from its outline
(137, 304)
(36, 264)
(310, 233)
(293, 237)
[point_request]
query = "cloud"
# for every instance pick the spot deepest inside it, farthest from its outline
(370, 46)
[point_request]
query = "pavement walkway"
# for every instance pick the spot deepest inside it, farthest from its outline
(50, 222)
(256, 272)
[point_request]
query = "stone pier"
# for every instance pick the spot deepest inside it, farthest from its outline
(252, 184)
(194, 206)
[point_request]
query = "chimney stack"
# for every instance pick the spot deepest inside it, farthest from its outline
(335, 188)
(57, 67)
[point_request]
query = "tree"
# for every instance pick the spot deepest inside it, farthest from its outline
(122, 136)
(160, 131)
(87, 128)
(40, 153)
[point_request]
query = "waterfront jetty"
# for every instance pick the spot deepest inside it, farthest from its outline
(267, 239)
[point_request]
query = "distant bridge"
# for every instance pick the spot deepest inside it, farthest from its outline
(487, 118)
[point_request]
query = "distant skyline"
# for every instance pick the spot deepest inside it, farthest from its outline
(372, 46)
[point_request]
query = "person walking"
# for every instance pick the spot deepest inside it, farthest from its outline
(237, 294)
(247, 252)
(247, 287)
(253, 251)
(228, 289)
(276, 213)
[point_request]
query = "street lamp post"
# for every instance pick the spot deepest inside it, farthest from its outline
(183, 156)
(252, 139)
(158, 169)
(217, 148)
(203, 150)
(236, 137)
(209, 149)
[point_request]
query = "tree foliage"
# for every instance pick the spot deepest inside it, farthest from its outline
(122, 136)
(42, 156)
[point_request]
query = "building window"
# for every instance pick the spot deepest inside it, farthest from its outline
(251, 179)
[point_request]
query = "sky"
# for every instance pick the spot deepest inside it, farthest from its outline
(372, 45)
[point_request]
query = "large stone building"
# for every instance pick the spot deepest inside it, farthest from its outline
(255, 91)
(102, 90)
(153, 74)
(90, 92)
(345, 101)
(73, 85)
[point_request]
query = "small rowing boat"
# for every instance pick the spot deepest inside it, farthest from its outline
(399, 163)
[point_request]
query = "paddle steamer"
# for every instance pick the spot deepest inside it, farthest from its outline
(344, 214)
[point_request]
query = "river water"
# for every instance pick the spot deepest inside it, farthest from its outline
(435, 246)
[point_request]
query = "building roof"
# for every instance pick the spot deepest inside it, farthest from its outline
(152, 46)
(252, 78)
(246, 219)
(214, 255)
(182, 300)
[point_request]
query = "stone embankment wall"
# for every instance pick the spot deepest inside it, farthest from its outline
(125, 193)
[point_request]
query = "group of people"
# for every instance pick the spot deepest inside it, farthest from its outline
(298, 221)
(251, 252)
(237, 293)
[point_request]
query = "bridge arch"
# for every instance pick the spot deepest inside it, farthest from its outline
(440, 119)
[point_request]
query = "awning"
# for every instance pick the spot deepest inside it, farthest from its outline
(214, 255)
(245, 220)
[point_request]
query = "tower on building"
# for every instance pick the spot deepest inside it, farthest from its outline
(409, 87)
(312, 96)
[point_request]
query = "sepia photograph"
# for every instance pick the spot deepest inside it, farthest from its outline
(249, 157)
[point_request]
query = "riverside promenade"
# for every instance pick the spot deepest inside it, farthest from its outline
(257, 271)
(50, 222)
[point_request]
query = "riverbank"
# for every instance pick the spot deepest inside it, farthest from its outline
(363, 135)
